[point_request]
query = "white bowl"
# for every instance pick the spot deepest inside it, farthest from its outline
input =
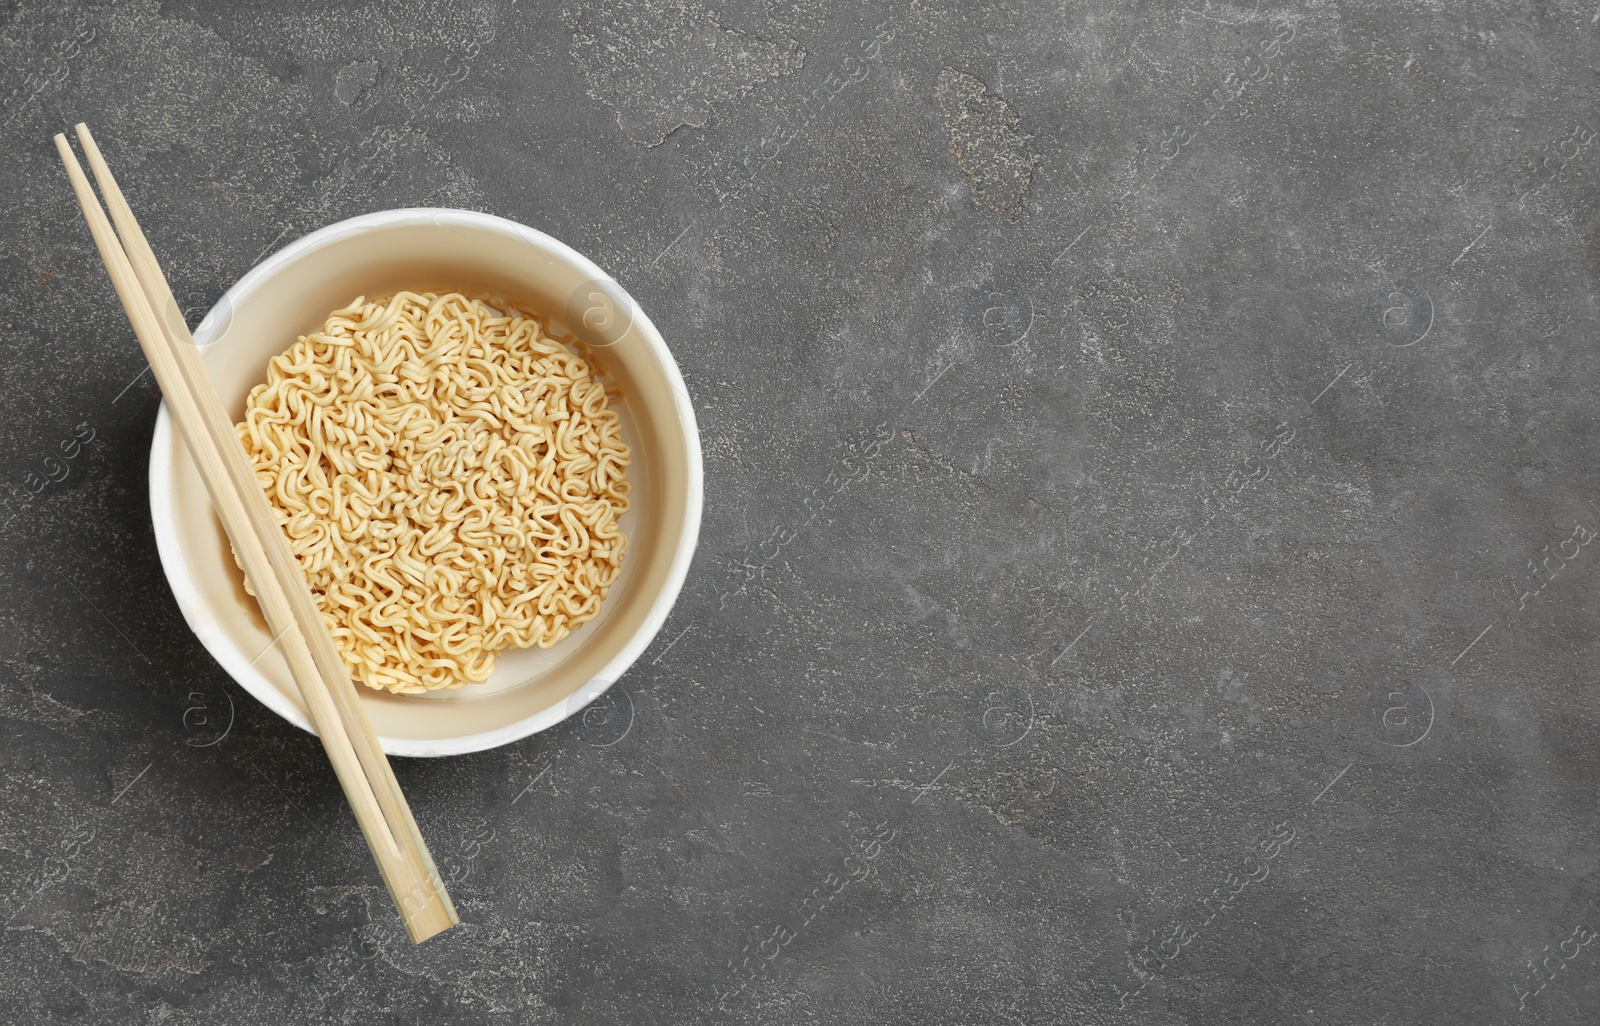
(290, 294)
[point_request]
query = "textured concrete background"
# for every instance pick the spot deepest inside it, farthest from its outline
(1147, 573)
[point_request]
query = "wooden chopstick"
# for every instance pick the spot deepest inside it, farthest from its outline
(330, 698)
(329, 664)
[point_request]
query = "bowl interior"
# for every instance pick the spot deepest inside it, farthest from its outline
(290, 295)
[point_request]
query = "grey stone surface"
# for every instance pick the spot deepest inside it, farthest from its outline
(1145, 575)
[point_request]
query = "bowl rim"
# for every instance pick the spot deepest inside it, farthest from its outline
(217, 642)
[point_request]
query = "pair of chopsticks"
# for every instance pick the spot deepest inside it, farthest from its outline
(280, 586)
